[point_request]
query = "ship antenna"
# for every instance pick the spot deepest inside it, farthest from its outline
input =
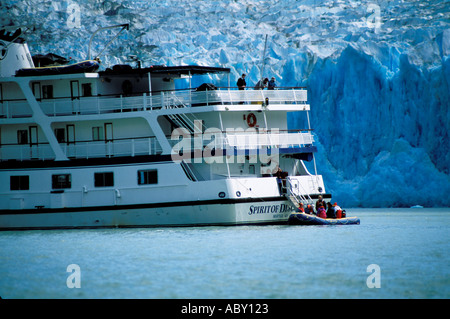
(123, 26)
(20, 30)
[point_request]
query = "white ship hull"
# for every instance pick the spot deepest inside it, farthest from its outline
(226, 214)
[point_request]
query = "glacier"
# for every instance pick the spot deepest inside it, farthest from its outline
(377, 73)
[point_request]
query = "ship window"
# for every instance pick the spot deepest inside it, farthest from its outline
(127, 87)
(22, 137)
(97, 133)
(47, 91)
(86, 89)
(19, 183)
(60, 134)
(146, 177)
(61, 181)
(104, 179)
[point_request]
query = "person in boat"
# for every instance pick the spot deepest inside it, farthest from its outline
(320, 202)
(309, 210)
(262, 84)
(330, 211)
(300, 208)
(272, 85)
(337, 210)
(321, 212)
(241, 84)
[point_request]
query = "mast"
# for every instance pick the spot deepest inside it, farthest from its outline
(264, 58)
(123, 26)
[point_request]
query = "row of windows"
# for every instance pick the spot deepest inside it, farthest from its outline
(104, 179)
(47, 90)
(63, 135)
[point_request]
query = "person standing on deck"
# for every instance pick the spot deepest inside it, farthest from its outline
(241, 84)
(272, 84)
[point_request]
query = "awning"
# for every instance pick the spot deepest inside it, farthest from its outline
(167, 70)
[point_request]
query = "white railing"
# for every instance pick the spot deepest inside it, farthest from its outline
(26, 152)
(92, 149)
(251, 141)
(303, 185)
(281, 140)
(147, 102)
(150, 146)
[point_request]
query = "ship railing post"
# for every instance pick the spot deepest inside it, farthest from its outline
(190, 88)
(144, 102)
(190, 97)
(121, 103)
(132, 148)
(162, 100)
(150, 97)
(149, 146)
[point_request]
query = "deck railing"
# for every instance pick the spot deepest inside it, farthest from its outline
(149, 101)
(84, 149)
(150, 146)
(247, 141)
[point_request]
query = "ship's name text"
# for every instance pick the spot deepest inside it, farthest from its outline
(270, 209)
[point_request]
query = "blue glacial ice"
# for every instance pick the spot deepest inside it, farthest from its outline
(378, 74)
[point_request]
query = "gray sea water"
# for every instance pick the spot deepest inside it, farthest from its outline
(404, 252)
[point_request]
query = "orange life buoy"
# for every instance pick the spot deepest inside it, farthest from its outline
(251, 120)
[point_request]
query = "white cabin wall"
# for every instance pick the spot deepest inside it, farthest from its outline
(62, 88)
(9, 133)
(275, 120)
(121, 128)
(113, 84)
(131, 128)
(162, 84)
(83, 191)
(11, 91)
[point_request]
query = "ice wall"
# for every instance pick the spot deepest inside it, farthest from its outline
(377, 72)
(384, 133)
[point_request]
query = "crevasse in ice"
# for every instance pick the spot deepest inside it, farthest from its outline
(378, 73)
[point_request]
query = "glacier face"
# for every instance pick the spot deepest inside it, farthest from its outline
(378, 73)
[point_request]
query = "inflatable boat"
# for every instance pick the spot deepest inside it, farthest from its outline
(80, 67)
(305, 219)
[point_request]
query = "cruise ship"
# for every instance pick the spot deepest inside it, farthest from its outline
(82, 147)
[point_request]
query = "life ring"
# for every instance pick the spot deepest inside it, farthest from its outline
(251, 120)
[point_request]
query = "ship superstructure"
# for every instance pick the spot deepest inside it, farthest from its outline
(123, 147)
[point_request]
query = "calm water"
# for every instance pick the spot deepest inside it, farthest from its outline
(410, 246)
